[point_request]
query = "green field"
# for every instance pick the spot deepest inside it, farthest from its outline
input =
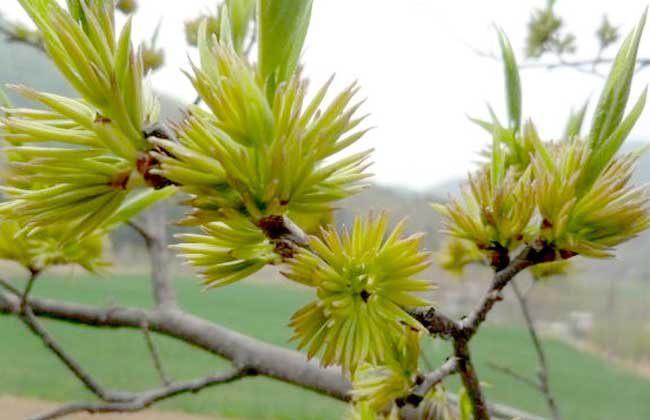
(586, 387)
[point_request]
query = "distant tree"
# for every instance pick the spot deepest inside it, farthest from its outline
(262, 165)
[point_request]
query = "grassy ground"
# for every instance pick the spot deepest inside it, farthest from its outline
(586, 387)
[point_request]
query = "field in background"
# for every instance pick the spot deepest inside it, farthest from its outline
(586, 387)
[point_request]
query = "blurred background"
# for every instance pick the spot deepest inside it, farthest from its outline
(424, 66)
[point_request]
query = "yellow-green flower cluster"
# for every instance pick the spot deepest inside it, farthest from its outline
(262, 157)
(455, 254)
(573, 195)
(228, 250)
(73, 163)
(495, 211)
(588, 221)
(364, 280)
(43, 249)
(380, 386)
(264, 148)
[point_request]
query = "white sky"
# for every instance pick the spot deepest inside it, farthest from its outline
(414, 61)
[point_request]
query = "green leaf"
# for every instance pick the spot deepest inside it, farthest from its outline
(498, 169)
(611, 105)
(282, 29)
(513, 83)
(604, 154)
(574, 124)
(139, 202)
(241, 14)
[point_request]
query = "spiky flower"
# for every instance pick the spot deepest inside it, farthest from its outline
(455, 254)
(588, 220)
(436, 405)
(575, 195)
(261, 155)
(495, 211)
(381, 385)
(228, 250)
(364, 281)
(79, 157)
(43, 249)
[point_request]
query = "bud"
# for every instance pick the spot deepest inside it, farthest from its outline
(127, 6)
(455, 254)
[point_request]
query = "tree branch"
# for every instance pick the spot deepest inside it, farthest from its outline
(146, 237)
(266, 359)
(470, 380)
(516, 375)
(163, 287)
(432, 379)
(145, 399)
(24, 312)
(532, 254)
(155, 356)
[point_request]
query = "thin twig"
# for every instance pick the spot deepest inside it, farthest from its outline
(587, 66)
(28, 318)
(26, 315)
(432, 379)
(542, 373)
(9, 31)
(155, 356)
(11, 288)
(269, 360)
(144, 234)
(145, 399)
(516, 375)
(470, 380)
(30, 283)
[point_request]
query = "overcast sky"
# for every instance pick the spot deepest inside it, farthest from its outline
(415, 62)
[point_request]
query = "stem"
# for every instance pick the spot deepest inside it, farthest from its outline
(145, 399)
(470, 379)
(542, 374)
(155, 356)
(30, 283)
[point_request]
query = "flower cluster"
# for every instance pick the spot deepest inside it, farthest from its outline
(40, 250)
(74, 163)
(379, 386)
(573, 195)
(262, 149)
(364, 280)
